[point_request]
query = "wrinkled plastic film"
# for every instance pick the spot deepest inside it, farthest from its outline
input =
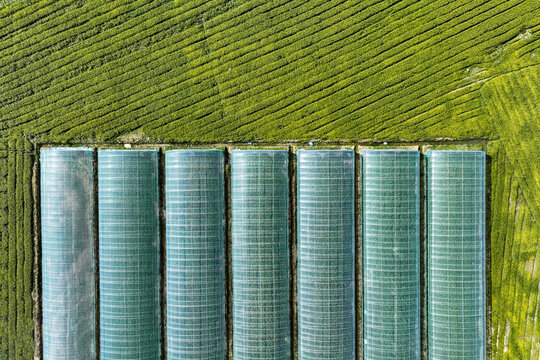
(455, 220)
(67, 246)
(129, 254)
(195, 230)
(260, 254)
(391, 254)
(326, 254)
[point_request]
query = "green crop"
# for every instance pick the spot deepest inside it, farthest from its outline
(213, 71)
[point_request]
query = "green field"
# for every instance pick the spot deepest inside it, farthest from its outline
(94, 71)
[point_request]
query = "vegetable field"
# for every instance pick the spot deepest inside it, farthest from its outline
(217, 71)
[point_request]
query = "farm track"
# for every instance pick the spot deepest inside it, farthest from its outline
(237, 70)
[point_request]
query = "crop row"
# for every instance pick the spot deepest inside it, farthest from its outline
(16, 250)
(221, 99)
(515, 265)
(104, 43)
(232, 94)
(433, 64)
(193, 41)
(514, 112)
(4, 251)
(300, 69)
(258, 124)
(190, 76)
(183, 84)
(21, 16)
(127, 60)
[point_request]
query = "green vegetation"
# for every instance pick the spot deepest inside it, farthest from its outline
(515, 264)
(236, 70)
(514, 112)
(16, 250)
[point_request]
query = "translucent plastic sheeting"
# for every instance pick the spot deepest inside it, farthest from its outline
(67, 246)
(129, 254)
(455, 220)
(326, 254)
(391, 254)
(260, 254)
(195, 203)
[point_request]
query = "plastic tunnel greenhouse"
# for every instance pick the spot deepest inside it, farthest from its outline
(326, 254)
(260, 254)
(391, 254)
(455, 219)
(67, 238)
(195, 205)
(126, 321)
(129, 254)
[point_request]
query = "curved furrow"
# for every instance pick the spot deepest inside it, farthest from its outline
(49, 99)
(358, 127)
(105, 43)
(45, 38)
(66, 85)
(294, 65)
(295, 91)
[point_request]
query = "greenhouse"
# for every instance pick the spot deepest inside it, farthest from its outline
(246, 109)
(195, 253)
(232, 284)
(67, 248)
(455, 229)
(260, 254)
(391, 254)
(326, 254)
(129, 277)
